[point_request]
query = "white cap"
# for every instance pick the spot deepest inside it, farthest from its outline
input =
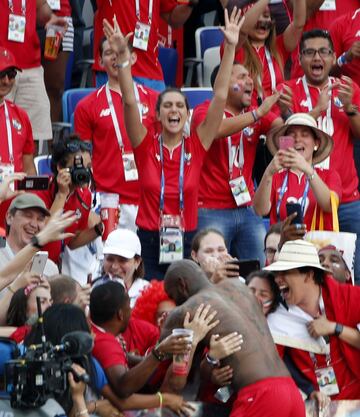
(122, 242)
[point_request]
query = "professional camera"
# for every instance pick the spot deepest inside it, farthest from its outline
(41, 373)
(79, 174)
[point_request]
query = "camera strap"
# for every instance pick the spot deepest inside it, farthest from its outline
(82, 202)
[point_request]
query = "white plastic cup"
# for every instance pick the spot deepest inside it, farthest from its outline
(181, 362)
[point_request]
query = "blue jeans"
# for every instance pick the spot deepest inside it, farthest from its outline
(244, 231)
(349, 220)
(150, 245)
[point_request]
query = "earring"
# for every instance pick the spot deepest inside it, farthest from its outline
(316, 148)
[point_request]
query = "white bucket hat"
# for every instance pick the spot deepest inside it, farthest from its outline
(296, 254)
(302, 119)
(122, 242)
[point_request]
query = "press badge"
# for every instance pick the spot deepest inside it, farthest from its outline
(16, 30)
(171, 239)
(328, 5)
(54, 4)
(141, 36)
(130, 170)
(6, 170)
(240, 191)
(326, 380)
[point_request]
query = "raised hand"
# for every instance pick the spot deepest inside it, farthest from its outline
(268, 103)
(346, 91)
(202, 322)
(54, 229)
(5, 191)
(232, 26)
(117, 41)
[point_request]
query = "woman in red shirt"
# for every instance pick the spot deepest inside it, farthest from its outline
(169, 162)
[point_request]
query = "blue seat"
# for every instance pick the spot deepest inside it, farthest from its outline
(71, 98)
(43, 164)
(168, 58)
(197, 95)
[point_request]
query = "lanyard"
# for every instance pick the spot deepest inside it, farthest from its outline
(9, 133)
(181, 176)
(271, 70)
(232, 158)
(137, 9)
(283, 190)
(23, 6)
(114, 117)
(327, 124)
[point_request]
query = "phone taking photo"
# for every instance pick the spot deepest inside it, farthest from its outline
(292, 208)
(286, 142)
(39, 262)
(39, 182)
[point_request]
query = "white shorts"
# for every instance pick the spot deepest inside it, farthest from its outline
(30, 94)
(128, 213)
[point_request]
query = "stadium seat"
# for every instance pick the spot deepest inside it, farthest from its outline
(168, 58)
(42, 164)
(71, 98)
(211, 61)
(196, 95)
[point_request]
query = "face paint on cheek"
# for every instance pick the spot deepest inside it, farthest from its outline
(236, 88)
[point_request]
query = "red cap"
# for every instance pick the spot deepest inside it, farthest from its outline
(7, 60)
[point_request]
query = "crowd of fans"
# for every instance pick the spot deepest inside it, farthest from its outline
(152, 214)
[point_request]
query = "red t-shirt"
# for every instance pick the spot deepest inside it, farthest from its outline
(295, 191)
(22, 137)
(147, 156)
(266, 77)
(93, 122)
(27, 54)
(322, 19)
(342, 306)
(215, 192)
(344, 32)
(147, 64)
(342, 155)
(78, 201)
(140, 336)
(107, 349)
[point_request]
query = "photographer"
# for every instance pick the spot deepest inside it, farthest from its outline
(69, 190)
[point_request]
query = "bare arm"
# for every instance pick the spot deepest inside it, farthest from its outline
(28, 163)
(135, 129)
(293, 32)
(179, 15)
(208, 128)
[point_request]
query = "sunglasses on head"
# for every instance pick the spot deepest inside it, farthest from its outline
(79, 146)
(10, 73)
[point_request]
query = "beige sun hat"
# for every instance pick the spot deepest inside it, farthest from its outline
(302, 119)
(296, 254)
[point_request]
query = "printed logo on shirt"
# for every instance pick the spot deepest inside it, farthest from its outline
(304, 103)
(105, 112)
(338, 102)
(78, 213)
(144, 109)
(16, 125)
(248, 132)
(188, 157)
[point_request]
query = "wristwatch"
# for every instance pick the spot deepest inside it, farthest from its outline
(99, 228)
(35, 242)
(338, 329)
(214, 363)
(353, 111)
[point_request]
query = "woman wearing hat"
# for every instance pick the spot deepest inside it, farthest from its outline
(291, 176)
(320, 316)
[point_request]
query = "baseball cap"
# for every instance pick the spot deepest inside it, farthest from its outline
(122, 242)
(28, 200)
(7, 60)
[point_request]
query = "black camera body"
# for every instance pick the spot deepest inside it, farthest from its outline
(79, 174)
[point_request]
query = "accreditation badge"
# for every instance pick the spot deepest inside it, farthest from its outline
(16, 29)
(326, 380)
(240, 191)
(171, 239)
(54, 4)
(141, 36)
(5, 171)
(130, 170)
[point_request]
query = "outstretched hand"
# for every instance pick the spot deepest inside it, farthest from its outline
(117, 41)
(221, 348)
(5, 190)
(202, 322)
(232, 26)
(54, 229)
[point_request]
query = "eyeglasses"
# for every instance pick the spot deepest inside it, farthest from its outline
(311, 52)
(10, 73)
(76, 146)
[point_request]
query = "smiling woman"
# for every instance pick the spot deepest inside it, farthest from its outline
(169, 162)
(291, 176)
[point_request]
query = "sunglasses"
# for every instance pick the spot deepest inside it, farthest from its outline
(11, 74)
(311, 52)
(77, 146)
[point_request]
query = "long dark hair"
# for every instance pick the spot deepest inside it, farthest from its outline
(16, 314)
(267, 276)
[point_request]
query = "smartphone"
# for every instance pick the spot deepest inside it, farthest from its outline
(40, 182)
(247, 266)
(292, 208)
(286, 142)
(39, 262)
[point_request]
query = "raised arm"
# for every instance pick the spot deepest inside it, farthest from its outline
(119, 43)
(208, 129)
(293, 32)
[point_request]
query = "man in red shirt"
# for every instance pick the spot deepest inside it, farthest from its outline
(230, 160)
(143, 18)
(99, 119)
(334, 104)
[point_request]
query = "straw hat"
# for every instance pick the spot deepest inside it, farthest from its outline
(296, 254)
(302, 119)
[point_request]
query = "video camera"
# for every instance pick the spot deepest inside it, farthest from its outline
(41, 372)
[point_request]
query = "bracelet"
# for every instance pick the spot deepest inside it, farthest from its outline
(157, 354)
(255, 115)
(311, 176)
(211, 361)
(338, 329)
(35, 242)
(342, 60)
(10, 289)
(83, 412)
(123, 64)
(352, 112)
(160, 398)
